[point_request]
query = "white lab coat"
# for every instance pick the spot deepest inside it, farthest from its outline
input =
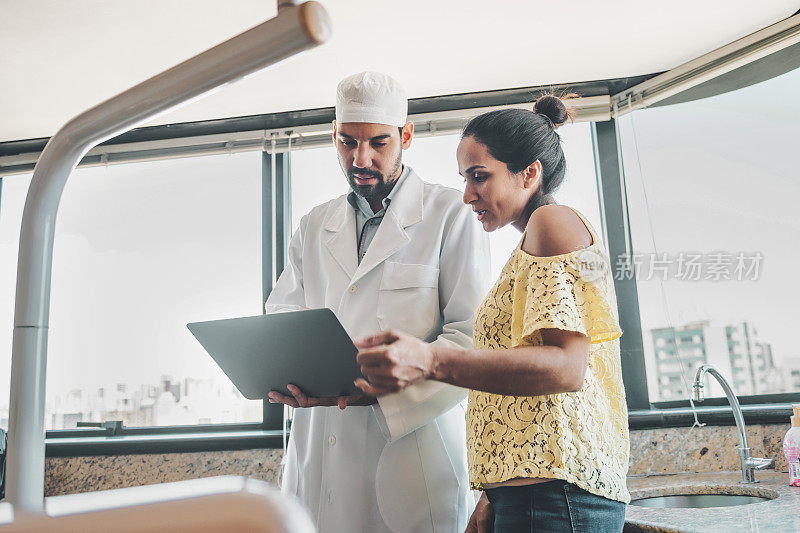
(398, 465)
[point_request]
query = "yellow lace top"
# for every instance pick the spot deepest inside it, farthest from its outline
(580, 437)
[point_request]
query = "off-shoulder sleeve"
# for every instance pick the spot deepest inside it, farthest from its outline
(573, 292)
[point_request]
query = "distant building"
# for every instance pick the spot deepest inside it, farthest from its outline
(171, 402)
(170, 385)
(791, 374)
(735, 350)
(751, 359)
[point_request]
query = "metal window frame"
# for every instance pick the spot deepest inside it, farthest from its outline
(610, 172)
(161, 439)
(308, 128)
(276, 231)
(299, 137)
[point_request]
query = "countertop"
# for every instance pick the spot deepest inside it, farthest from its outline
(779, 514)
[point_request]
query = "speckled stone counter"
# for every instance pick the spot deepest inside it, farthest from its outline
(653, 451)
(702, 449)
(782, 513)
(70, 475)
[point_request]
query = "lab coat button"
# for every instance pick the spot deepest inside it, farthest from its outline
(330, 496)
(353, 289)
(332, 440)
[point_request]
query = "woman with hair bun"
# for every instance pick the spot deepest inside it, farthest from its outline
(547, 426)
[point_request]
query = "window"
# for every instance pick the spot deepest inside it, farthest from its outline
(317, 177)
(141, 250)
(712, 186)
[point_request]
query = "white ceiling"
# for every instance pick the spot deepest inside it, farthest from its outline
(58, 58)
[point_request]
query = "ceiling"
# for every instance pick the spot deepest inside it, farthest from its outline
(59, 58)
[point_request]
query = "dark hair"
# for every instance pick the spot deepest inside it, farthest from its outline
(518, 137)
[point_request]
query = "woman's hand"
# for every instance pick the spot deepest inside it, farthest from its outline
(482, 519)
(391, 361)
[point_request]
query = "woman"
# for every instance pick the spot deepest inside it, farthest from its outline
(547, 429)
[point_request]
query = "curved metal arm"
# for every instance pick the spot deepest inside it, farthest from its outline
(748, 463)
(294, 29)
(732, 399)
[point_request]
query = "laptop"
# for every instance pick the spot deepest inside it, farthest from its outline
(307, 348)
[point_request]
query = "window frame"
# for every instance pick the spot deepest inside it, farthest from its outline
(163, 439)
(205, 437)
(642, 412)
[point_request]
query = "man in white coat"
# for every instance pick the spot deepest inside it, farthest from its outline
(396, 252)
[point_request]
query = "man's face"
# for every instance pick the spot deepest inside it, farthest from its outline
(370, 155)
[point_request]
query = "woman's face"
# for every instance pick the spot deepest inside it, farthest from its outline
(497, 196)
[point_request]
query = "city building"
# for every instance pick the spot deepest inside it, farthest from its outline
(170, 403)
(734, 349)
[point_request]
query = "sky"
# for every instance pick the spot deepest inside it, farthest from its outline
(142, 249)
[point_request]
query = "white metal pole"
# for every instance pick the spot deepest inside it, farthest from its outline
(294, 29)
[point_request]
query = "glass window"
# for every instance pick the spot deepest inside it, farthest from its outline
(712, 187)
(140, 251)
(317, 177)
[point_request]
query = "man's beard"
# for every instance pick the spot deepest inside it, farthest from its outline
(380, 189)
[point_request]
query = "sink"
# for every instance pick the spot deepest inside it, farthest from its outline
(698, 501)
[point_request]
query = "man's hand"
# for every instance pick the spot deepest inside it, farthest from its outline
(482, 519)
(392, 361)
(299, 399)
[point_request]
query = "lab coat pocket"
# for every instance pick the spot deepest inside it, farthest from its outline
(417, 486)
(408, 299)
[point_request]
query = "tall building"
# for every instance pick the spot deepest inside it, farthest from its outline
(751, 359)
(735, 350)
(167, 384)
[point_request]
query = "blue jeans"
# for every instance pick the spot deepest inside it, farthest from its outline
(554, 506)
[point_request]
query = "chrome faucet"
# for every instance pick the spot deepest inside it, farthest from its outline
(749, 463)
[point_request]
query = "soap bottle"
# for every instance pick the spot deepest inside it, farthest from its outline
(791, 447)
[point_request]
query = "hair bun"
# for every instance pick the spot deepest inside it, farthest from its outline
(553, 108)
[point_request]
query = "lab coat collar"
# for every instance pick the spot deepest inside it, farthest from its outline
(341, 224)
(404, 210)
(407, 202)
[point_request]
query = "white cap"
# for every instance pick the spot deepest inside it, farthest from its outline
(371, 97)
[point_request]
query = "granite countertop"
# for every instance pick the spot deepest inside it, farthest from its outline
(779, 514)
